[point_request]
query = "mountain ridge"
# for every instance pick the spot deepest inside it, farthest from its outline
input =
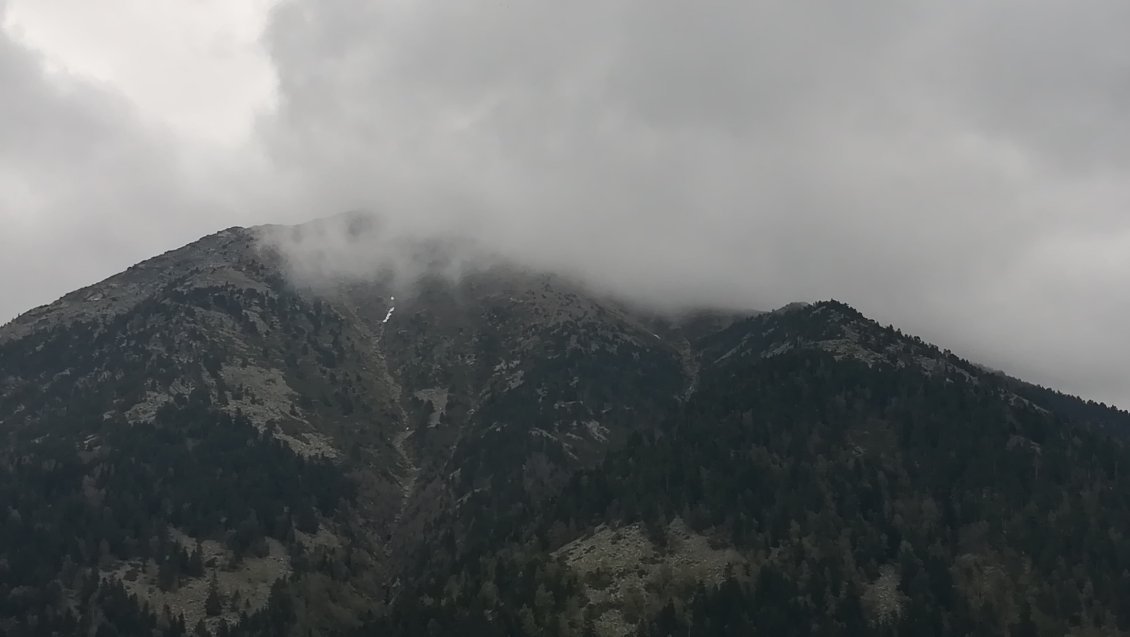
(320, 459)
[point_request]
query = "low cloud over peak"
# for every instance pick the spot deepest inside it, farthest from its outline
(954, 168)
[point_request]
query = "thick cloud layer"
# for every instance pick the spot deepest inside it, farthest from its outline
(955, 168)
(88, 184)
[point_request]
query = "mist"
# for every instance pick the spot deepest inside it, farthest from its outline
(957, 169)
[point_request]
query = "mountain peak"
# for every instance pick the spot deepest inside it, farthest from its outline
(209, 432)
(225, 255)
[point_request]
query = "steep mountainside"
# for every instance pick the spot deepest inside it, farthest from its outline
(198, 407)
(199, 444)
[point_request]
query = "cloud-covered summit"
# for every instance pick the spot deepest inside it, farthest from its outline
(955, 168)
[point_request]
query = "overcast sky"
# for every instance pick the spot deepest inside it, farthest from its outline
(961, 169)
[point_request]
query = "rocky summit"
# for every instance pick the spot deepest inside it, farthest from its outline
(210, 444)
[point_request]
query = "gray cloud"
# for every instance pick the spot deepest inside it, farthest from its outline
(88, 188)
(955, 168)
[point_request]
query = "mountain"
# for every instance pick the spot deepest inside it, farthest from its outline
(207, 443)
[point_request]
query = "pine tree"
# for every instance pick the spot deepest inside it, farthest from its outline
(196, 561)
(214, 604)
(167, 575)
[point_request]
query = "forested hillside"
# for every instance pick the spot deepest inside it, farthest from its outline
(202, 446)
(860, 498)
